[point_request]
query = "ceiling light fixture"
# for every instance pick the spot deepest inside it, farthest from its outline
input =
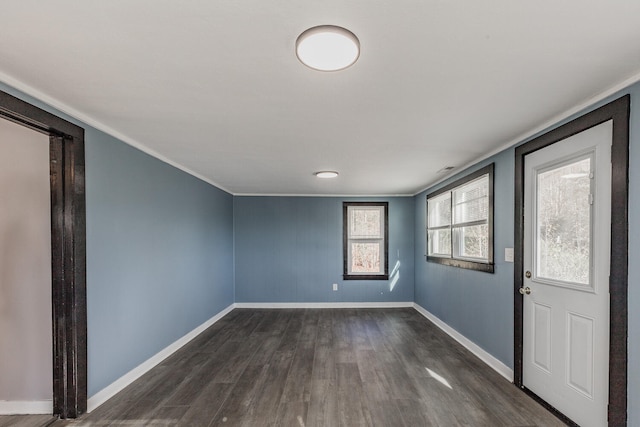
(327, 48)
(326, 174)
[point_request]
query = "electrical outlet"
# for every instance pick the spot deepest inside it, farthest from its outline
(335, 286)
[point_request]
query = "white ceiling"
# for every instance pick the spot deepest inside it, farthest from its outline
(215, 86)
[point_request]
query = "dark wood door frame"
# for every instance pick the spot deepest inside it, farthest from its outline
(618, 111)
(68, 254)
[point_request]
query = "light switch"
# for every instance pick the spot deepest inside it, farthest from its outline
(508, 254)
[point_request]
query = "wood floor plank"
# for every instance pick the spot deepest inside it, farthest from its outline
(26, 420)
(167, 416)
(206, 405)
(269, 345)
(324, 334)
(387, 413)
(156, 396)
(298, 385)
(195, 381)
(374, 383)
(276, 322)
(257, 402)
(237, 361)
(129, 397)
(323, 405)
(324, 367)
(238, 408)
(292, 414)
(415, 412)
(310, 322)
(352, 405)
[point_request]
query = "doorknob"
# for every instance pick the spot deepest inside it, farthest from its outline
(524, 291)
(527, 275)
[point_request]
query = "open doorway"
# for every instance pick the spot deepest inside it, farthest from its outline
(25, 271)
(68, 254)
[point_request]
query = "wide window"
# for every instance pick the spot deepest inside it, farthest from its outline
(366, 240)
(460, 222)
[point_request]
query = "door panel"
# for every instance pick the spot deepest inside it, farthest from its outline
(542, 337)
(581, 353)
(567, 227)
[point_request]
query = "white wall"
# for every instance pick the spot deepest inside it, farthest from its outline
(25, 269)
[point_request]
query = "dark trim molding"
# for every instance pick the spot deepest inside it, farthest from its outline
(618, 111)
(487, 267)
(345, 243)
(68, 242)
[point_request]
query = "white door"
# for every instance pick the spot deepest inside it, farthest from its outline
(567, 228)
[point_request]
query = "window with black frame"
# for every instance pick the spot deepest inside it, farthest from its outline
(366, 240)
(460, 222)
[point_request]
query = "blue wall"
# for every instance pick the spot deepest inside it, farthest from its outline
(634, 257)
(289, 249)
(159, 256)
(159, 253)
(480, 305)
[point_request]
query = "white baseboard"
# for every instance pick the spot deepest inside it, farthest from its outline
(118, 385)
(487, 358)
(323, 304)
(19, 407)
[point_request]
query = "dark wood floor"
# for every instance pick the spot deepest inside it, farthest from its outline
(26, 420)
(337, 367)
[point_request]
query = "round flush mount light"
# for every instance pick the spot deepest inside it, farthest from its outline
(326, 174)
(327, 48)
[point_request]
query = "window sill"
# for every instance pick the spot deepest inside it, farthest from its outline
(365, 277)
(469, 265)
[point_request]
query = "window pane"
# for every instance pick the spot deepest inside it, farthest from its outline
(471, 201)
(472, 242)
(564, 223)
(439, 210)
(365, 223)
(440, 242)
(365, 257)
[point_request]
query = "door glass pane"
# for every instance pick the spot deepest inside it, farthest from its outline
(365, 257)
(564, 223)
(439, 242)
(472, 242)
(365, 222)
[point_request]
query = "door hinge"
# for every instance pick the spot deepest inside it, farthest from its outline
(590, 199)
